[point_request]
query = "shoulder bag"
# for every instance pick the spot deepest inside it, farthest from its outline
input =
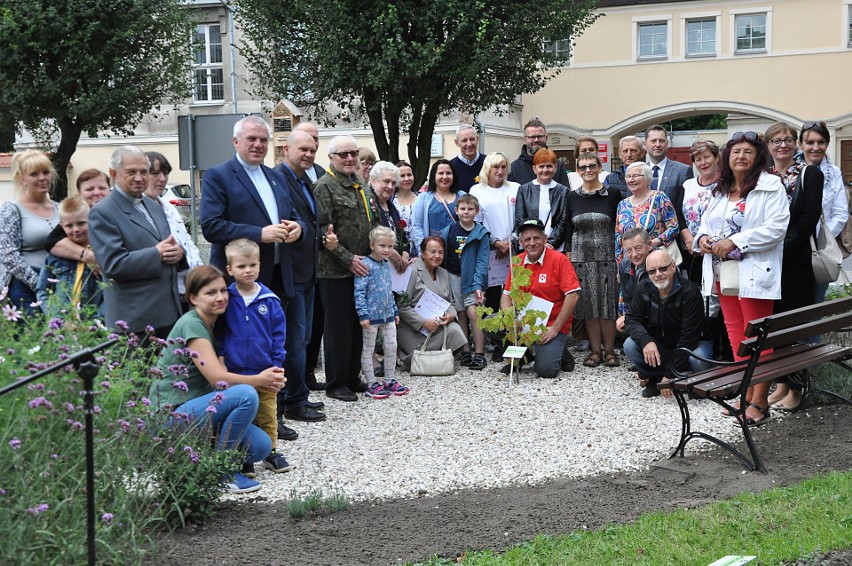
(439, 362)
(729, 278)
(825, 255)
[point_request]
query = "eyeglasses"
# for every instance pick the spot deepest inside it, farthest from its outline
(346, 154)
(587, 167)
(631, 177)
(812, 125)
(786, 141)
(661, 270)
(536, 137)
(749, 136)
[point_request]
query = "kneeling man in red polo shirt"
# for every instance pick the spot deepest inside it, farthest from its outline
(553, 279)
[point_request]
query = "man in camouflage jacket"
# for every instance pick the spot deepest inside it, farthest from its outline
(344, 202)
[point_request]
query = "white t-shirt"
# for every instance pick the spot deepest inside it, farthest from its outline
(497, 208)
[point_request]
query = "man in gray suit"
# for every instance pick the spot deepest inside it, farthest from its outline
(135, 249)
(669, 175)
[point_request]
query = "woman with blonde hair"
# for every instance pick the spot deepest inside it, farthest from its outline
(496, 197)
(27, 221)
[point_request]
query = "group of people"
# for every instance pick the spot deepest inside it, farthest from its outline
(310, 254)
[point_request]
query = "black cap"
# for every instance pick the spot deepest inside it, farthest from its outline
(530, 223)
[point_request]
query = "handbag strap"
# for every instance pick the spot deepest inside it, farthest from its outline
(447, 208)
(425, 342)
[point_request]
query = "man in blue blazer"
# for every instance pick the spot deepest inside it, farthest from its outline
(135, 249)
(299, 153)
(669, 175)
(243, 198)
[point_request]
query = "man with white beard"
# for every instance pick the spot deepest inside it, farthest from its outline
(666, 313)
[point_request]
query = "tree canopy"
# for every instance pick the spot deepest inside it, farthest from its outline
(90, 65)
(405, 63)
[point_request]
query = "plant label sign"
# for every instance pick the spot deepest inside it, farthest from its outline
(733, 560)
(516, 352)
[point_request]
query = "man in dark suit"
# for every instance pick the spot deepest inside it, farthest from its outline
(243, 198)
(135, 249)
(669, 175)
(299, 153)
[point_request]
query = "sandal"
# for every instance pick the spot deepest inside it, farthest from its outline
(478, 361)
(466, 359)
(751, 421)
(727, 414)
(611, 360)
(593, 360)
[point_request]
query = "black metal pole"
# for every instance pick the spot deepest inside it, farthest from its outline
(87, 368)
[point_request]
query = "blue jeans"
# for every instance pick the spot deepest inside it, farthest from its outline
(232, 421)
(548, 357)
(22, 296)
(655, 374)
(300, 316)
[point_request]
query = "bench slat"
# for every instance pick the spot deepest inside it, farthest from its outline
(791, 335)
(769, 371)
(721, 372)
(798, 316)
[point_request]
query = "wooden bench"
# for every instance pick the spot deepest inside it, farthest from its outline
(788, 335)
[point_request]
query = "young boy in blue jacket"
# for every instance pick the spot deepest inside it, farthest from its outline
(252, 337)
(468, 244)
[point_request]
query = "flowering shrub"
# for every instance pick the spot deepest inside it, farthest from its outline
(148, 476)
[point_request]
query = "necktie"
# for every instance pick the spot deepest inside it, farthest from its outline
(308, 196)
(655, 181)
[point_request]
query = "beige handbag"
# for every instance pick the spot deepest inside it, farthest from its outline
(729, 278)
(826, 256)
(440, 362)
(674, 252)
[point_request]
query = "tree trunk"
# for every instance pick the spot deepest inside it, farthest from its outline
(373, 103)
(70, 135)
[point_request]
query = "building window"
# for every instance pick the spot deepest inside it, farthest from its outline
(849, 23)
(751, 32)
(207, 67)
(560, 49)
(653, 40)
(701, 37)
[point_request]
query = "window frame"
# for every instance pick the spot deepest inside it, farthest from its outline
(687, 19)
(766, 12)
(847, 24)
(208, 67)
(638, 22)
(566, 62)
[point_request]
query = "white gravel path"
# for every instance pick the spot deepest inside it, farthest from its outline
(473, 430)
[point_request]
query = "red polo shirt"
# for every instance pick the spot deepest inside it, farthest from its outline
(552, 278)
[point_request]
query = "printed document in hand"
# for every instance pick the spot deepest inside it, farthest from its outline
(431, 305)
(538, 304)
(498, 270)
(399, 281)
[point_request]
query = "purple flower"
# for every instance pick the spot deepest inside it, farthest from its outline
(146, 401)
(75, 425)
(193, 455)
(40, 508)
(11, 313)
(40, 402)
(2, 491)
(131, 403)
(10, 351)
(96, 409)
(170, 450)
(217, 399)
(222, 385)
(121, 325)
(193, 354)
(15, 443)
(180, 385)
(56, 323)
(36, 387)
(112, 336)
(105, 384)
(150, 329)
(107, 518)
(54, 456)
(155, 371)
(125, 426)
(140, 424)
(210, 409)
(69, 407)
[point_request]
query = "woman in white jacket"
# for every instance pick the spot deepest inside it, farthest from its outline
(745, 221)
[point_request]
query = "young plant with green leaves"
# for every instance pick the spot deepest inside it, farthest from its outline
(522, 326)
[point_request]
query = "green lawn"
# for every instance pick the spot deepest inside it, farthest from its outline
(778, 526)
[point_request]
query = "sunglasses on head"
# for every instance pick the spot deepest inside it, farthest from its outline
(812, 125)
(748, 136)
